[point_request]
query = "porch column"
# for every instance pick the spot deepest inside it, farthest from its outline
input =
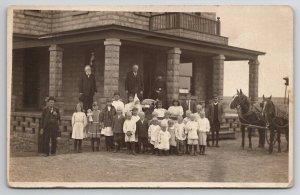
(111, 66)
(55, 74)
(253, 80)
(218, 75)
(173, 74)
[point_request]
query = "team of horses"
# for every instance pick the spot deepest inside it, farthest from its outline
(265, 119)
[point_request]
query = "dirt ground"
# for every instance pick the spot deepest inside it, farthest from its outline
(228, 163)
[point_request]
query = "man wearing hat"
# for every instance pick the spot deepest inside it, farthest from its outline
(215, 115)
(49, 126)
(87, 88)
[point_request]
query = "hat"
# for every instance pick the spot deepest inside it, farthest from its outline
(51, 98)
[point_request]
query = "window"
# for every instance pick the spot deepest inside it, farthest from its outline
(185, 77)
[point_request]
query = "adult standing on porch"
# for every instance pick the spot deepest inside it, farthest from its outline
(50, 121)
(87, 88)
(134, 83)
(215, 117)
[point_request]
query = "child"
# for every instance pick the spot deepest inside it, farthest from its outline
(167, 117)
(163, 139)
(79, 122)
(118, 102)
(180, 136)
(175, 110)
(187, 116)
(203, 129)
(138, 105)
(107, 119)
(171, 129)
(159, 110)
(129, 128)
(129, 105)
(153, 130)
(117, 128)
(142, 132)
(94, 127)
(135, 118)
(191, 128)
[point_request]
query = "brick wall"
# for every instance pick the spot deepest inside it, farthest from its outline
(32, 22)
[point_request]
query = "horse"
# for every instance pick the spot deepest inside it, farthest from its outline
(248, 117)
(275, 123)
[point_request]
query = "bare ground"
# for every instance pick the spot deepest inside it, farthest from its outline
(229, 163)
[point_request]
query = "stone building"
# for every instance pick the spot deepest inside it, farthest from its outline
(50, 49)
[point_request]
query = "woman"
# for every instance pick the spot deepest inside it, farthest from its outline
(159, 89)
(175, 110)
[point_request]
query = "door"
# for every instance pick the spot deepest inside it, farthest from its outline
(149, 70)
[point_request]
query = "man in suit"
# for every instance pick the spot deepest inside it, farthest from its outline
(142, 132)
(134, 83)
(215, 116)
(87, 88)
(188, 104)
(49, 126)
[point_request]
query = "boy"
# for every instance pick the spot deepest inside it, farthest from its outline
(191, 128)
(203, 129)
(180, 136)
(117, 128)
(142, 132)
(129, 128)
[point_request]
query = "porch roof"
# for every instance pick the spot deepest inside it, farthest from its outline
(139, 36)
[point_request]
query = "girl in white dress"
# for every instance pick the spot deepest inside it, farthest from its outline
(79, 121)
(159, 110)
(153, 131)
(164, 139)
(129, 128)
(180, 136)
(203, 129)
(175, 110)
(191, 128)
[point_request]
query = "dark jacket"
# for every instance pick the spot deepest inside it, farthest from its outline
(117, 125)
(134, 84)
(107, 117)
(142, 128)
(87, 85)
(185, 106)
(211, 112)
(50, 119)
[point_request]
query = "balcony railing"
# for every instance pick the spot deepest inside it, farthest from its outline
(185, 21)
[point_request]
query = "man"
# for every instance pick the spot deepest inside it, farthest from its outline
(134, 83)
(49, 126)
(87, 88)
(215, 117)
(188, 104)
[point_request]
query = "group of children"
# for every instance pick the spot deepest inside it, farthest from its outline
(126, 125)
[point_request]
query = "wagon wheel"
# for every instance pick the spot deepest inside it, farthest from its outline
(268, 137)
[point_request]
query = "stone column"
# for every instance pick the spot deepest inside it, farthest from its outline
(253, 80)
(55, 75)
(218, 75)
(111, 66)
(173, 74)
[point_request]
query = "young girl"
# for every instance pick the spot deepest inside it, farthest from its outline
(79, 122)
(203, 129)
(159, 110)
(191, 128)
(107, 119)
(163, 139)
(171, 129)
(153, 130)
(175, 110)
(180, 136)
(129, 129)
(94, 126)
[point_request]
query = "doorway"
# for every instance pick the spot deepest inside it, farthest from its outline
(149, 70)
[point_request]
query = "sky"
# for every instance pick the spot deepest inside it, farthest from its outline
(263, 28)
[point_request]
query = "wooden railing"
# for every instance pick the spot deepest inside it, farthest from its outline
(185, 21)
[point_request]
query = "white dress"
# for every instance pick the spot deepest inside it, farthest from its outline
(118, 104)
(129, 125)
(180, 132)
(128, 107)
(153, 134)
(176, 110)
(79, 121)
(164, 140)
(203, 128)
(136, 119)
(160, 112)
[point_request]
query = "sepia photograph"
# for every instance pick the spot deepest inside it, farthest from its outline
(150, 96)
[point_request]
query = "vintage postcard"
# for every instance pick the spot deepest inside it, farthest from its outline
(150, 96)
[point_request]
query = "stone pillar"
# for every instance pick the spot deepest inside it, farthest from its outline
(218, 75)
(173, 74)
(55, 75)
(253, 80)
(111, 66)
